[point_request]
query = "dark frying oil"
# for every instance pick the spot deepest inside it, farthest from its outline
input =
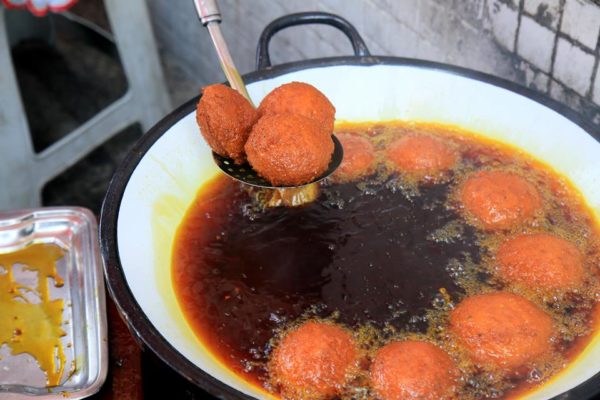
(374, 253)
(368, 256)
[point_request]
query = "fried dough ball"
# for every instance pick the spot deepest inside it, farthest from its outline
(422, 156)
(413, 370)
(313, 361)
(359, 155)
(288, 149)
(502, 329)
(499, 199)
(225, 118)
(541, 260)
(301, 99)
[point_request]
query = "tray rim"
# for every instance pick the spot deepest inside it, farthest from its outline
(8, 220)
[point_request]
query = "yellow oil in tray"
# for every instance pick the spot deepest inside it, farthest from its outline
(30, 327)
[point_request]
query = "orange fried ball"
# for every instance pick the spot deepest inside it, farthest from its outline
(313, 361)
(225, 118)
(413, 370)
(301, 99)
(499, 199)
(288, 149)
(541, 260)
(359, 155)
(502, 329)
(424, 157)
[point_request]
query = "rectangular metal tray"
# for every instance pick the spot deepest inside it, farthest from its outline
(84, 315)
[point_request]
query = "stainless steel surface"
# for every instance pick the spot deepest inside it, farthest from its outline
(85, 344)
(208, 11)
(229, 69)
(209, 15)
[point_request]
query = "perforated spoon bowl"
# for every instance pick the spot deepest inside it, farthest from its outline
(210, 16)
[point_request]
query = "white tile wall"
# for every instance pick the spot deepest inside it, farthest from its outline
(504, 21)
(596, 89)
(535, 43)
(561, 93)
(535, 79)
(573, 67)
(581, 21)
(545, 11)
(514, 39)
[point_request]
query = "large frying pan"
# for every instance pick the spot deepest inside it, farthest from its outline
(158, 181)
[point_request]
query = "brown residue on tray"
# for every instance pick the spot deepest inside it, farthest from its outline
(34, 327)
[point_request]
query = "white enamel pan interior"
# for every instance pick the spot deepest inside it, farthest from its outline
(156, 185)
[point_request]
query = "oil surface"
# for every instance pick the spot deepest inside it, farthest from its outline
(351, 258)
(386, 257)
(33, 327)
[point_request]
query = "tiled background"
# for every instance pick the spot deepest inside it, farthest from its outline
(549, 45)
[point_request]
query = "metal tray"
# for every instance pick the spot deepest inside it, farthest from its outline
(85, 344)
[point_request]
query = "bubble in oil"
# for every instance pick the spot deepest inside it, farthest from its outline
(397, 185)
(449, 233)
(334, 199)
(277, 319)
(535, 375)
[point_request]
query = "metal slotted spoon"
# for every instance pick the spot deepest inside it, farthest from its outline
(210, 16)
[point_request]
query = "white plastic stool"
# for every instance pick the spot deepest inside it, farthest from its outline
(23, 172)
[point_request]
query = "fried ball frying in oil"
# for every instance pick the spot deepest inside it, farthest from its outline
(422, 156)
(225, 118)
(502, 329)
(541, 260)
(359, 155)
(288, 149)
(499, 199)
(313, 361)
(301, 99)
(413, 370)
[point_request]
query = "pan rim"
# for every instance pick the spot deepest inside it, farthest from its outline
(138, 322)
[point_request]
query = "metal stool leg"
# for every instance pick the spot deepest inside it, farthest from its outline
(146, 100)
(133, 34)
(16, 150)
(22, 172)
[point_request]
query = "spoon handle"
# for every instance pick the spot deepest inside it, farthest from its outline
(210, 16)
(208, 11)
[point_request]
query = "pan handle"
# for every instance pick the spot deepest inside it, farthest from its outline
(263, 60)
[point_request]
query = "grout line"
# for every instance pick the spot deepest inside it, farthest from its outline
(485, 17)
(573, 42)
(561, 9)
(519, 18)
(576, 43)
(595, 71)
(536, 71)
